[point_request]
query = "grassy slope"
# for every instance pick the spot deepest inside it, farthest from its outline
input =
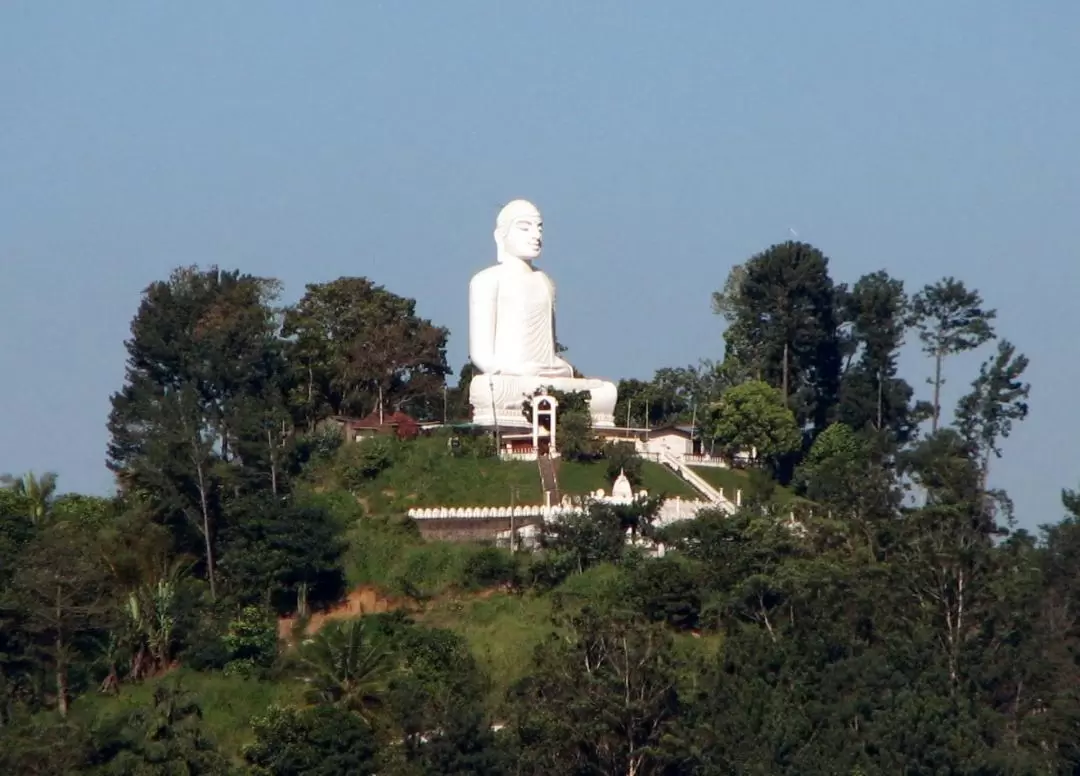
(582, 478)
(228, 702)
(426, 475)
(732, 480)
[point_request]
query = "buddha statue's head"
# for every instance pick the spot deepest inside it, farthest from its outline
(519, 231)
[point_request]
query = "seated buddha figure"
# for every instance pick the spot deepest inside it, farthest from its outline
(512, 329)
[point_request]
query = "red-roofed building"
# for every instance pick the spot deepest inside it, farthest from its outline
(396, 423)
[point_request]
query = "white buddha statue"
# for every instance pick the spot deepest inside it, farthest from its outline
(512, 330)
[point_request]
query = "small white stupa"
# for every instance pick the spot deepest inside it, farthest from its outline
(622, 490)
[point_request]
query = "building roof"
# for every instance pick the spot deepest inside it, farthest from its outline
(682, 429)
(388, 420)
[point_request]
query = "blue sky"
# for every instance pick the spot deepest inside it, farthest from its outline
(664, 142)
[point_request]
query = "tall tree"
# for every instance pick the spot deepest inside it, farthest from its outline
(203, 351)
(872, 395)
(356, 347)
(62, 590)
(783, 327)
(997, 399)
(950, 319)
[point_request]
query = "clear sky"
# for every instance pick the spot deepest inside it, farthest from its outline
(663, 141)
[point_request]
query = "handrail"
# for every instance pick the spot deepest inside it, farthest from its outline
(713, 494)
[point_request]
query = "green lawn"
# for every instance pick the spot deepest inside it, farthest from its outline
(578, 479)
(425, 474)
(729, 480)
(732, 480)
(502, 631)
(228, 702)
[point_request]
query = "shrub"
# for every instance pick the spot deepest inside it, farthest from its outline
(488, 567)
(664, 590)
(621, 457)
(364, 460)
(325, 740)
(251, 641)
(320, 444)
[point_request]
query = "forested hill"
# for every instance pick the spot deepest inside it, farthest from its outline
(211, 618)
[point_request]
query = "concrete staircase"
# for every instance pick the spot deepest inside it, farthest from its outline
(549, 479)
(714, 495)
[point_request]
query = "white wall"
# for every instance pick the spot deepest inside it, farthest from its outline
(675, 445)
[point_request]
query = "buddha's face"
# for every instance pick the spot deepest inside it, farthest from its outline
(525, 237)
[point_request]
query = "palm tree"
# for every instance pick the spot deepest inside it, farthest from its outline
(38, 492)
(347, 669)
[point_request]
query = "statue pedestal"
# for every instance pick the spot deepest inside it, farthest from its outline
(497, 399)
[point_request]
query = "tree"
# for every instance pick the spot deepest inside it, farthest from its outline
(751, 418)
(203, 350)
(347, 669)
(164, 737)
(950, 320)
(782, 327)
(321, 741)
(997, 399)
(62, 591)
(601, 700)
(622, 458)
(875, 311)
(38, 492)
(947, 545)
(356, 347)
(850, 476)
(282, 554)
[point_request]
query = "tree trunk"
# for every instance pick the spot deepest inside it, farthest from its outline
(61, 663)
(205, 506)
(785, 385)
(61, 689)
(273, 461)
(879, 384)
(938, 358)
(310, 398)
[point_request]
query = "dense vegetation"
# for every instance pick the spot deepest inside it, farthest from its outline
(899, 623)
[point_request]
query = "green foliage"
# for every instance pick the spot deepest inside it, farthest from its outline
(868, 633)
(282, 554)
(251, 641)
(320, 741)
(490, 566)
(365, 459)
(346, 668)
(622, 458)
(752, 417)
(574, 434)
(352, 342)
(780, 307)
(166, 736)
(665, 590)
(950, 319)
(37, 493)
(320, 444)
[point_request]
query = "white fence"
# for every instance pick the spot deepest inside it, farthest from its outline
(672, 510)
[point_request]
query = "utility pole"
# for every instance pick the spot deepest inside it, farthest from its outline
(513, 502)
(495, 417)
(444, 404)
